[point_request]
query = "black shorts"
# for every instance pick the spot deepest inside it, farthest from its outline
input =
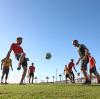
(24, 61)
(31, 74)
(72, 74)
(6, 71)
(94, 71)
(67, 75)
(84, 64)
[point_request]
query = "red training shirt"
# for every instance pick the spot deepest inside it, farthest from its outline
(91, 62)
(16, 48)
(70, 65)
(31, 69)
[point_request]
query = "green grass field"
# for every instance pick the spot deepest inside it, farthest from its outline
(49, 91)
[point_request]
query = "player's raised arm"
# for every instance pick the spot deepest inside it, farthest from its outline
(9, 52)
(78, 61)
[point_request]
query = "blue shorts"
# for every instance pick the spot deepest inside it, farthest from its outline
(84, 64)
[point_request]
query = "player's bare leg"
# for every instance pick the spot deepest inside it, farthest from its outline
(2, 78)
(23, 75)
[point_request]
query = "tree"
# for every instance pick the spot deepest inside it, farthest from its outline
(60, 77)
(53, 78)
(47, 78)
(35, 79)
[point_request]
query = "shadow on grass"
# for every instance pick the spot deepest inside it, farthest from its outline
(77, 84)
(2, 93)
(95, 84)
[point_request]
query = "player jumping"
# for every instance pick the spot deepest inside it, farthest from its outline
(20, 56)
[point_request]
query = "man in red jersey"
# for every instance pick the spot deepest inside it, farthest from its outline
(31, 72)
(93, 70)
(70, 66)
(20, 56)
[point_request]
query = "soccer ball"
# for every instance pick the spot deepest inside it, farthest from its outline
(48, 55)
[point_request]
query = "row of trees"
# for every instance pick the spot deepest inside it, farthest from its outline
(47, 79)
(60, 78)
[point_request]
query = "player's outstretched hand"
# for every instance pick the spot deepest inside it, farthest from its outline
(78, 74)
(18, 68)
(12, 69)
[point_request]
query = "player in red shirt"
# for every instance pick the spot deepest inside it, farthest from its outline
(18, 51)
(70, 66)
(20, 56)
(31, 72)
(93, 70)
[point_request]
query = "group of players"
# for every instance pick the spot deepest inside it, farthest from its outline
(20, 55)
(85, 57)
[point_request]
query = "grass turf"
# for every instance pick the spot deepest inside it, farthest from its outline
(49, 91)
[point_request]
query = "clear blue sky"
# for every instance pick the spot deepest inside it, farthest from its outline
(49, 26)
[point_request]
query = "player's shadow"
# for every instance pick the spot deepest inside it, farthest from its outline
(95, 85)
(2, 93)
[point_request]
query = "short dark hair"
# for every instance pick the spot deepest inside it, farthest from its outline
(75, 41)
(72, 59)
(18, 38)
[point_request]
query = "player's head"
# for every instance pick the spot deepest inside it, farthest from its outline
(72, 60)
(65, 66)
(19, 40)
(75, 43)
(32, 64)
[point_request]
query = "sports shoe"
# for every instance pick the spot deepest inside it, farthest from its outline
(27, 59)
(6, 83)
(87, 82)
(1, 82)
(21, 84)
